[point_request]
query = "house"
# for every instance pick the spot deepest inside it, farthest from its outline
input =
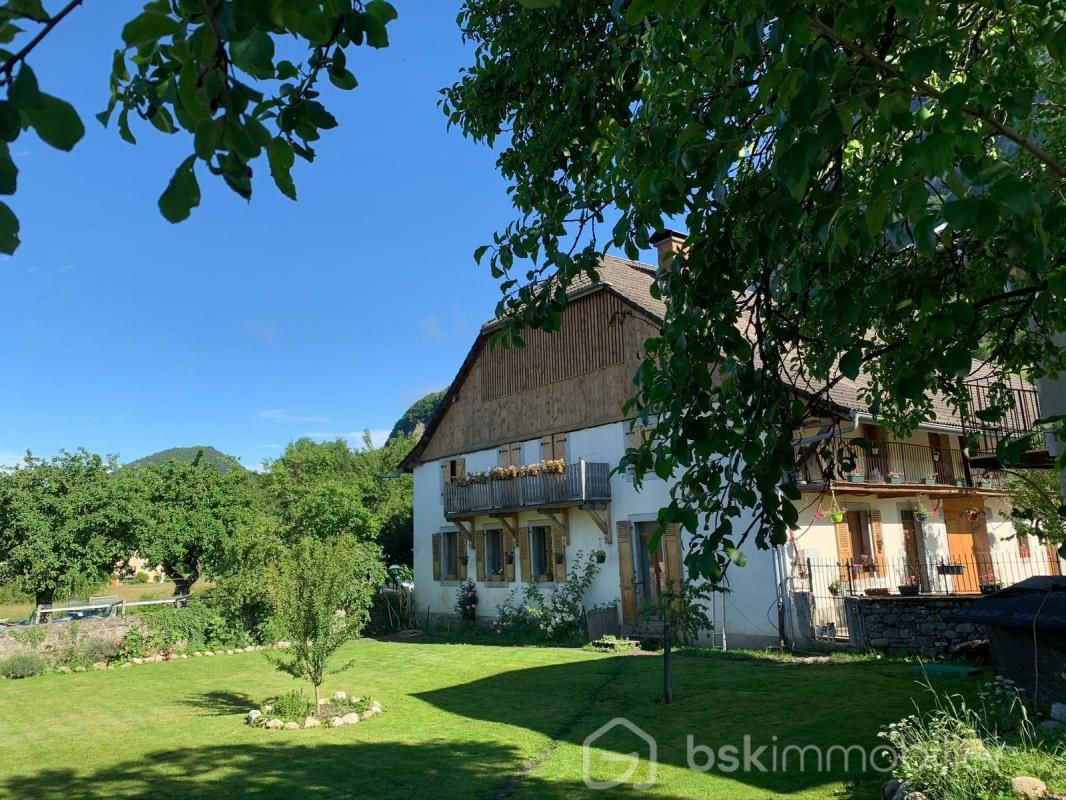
(481, 513)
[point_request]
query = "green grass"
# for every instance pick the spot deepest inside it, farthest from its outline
(461, 721)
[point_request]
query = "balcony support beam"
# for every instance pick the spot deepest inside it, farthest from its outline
(602, 518)
(560, 519)
(509, 522)
(461, 525)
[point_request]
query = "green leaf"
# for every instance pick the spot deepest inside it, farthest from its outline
(384, 12)
(56, 122)
(281, 159)
(10, 121)
(8, 171)
(961, 214)
(343, 79)
(182, 194)
(851, 362)
(24, 92)
(150, 26)
(31, 9)
(255, 55)
(638, 10)
(205, 139)
(9, 230)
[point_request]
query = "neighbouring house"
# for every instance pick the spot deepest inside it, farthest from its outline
(516, 474)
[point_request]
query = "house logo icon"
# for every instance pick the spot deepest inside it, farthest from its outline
(627, 763)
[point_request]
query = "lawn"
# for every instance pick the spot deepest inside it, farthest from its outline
(461, 721)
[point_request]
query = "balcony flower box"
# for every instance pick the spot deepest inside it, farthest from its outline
(983, 484)
(930, 481)
(895, 477)
(950, 569)
(857, 478)
(990, 588)
(876, 592)
(909, 590)
(960, 482)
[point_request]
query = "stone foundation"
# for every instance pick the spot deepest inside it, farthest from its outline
(57, 634)
(919, 625)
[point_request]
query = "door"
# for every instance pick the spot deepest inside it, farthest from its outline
(967, 543)
(1053, 565)
(651, 566)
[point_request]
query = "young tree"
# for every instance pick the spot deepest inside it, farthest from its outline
(867, 187)
(204, 68)
(187, 513)
(322, 594)
(1037, 507)
(63, 522)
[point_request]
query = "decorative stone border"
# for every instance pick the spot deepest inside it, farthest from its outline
(254, 716)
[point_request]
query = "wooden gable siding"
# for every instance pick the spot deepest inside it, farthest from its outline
(575, 378)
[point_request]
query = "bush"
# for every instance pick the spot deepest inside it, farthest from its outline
(197, 626)
(22, 665)
(94, 650)
(141, 577)
(294, 706)
(133, 645)
(557, 616)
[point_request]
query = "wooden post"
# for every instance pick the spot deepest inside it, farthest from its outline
(668, 678)
(584, 491)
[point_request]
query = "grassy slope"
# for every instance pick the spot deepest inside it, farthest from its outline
(461, 721)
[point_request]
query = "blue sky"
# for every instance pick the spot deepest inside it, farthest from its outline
(248, 325)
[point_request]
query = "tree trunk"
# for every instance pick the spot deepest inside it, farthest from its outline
(45, 597)
(182, 581)
(315, 712)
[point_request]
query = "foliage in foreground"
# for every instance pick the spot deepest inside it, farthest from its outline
(322, 597)
(868, 188)
(955, 750)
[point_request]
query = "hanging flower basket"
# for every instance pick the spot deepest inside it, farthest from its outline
(836, 516)
(973, 514)
(560, 558)
(510, 558)
(601, 556)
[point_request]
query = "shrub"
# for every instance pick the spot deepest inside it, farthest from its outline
(558, 616)
(22, 665)
(133, 645)
(32, 636)
(141, 577)
(95, 650)
(466, 601)
(294, 706)
(197, 626)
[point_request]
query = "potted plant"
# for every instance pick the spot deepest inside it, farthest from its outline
(990, 584)
(895, 477)
(600, 556)
(910, 587)
(856, 477)
(834, 588)
(865, 564)
(464, 560)
(960, 482)
(509, 557)
(560, 558)
(973, 514)
(930, 480)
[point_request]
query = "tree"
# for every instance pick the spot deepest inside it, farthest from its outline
(868, 188)
(1036, 506)
(187, 66)
(322, 594)
(415, 418)
(64, 522)
(187, 514)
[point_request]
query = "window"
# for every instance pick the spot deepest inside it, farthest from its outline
(540, 551)
(451, 470)
(449, 555)
(494, 555)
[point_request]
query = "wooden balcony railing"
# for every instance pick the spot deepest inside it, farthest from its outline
(583, 482)
(895, 462)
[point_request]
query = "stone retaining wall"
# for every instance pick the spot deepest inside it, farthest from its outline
(911, 624)
(57, 635)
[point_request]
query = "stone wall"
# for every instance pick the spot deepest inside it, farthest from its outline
(911, 624)
(57, 635)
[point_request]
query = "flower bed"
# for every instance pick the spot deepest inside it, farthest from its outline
(295, 711)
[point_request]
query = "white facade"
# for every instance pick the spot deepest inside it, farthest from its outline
(750, 609)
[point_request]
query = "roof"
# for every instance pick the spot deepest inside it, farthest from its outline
(631, 281)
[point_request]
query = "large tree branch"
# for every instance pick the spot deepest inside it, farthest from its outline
(1003, 130)
(9, 65)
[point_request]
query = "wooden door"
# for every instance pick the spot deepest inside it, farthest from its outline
(964, 547)
(1053, 565)
(626, 575)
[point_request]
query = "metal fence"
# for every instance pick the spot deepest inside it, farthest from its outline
(828, 583)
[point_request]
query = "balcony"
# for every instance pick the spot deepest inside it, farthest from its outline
(1020, 407)
(580, 484)
(897, 463)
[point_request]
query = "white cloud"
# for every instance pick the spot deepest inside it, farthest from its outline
(271, 446)
(440, 331)
(262, 329)
(283, 415)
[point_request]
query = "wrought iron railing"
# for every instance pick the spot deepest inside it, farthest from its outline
(582, 482)
(893, 463)
(1020, 408)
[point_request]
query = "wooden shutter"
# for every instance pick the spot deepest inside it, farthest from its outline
(460, 467)
(559, 445)
(436, 556)
(626, 575)
(508, 556)
(672, 553)
(844, 553)
(479, 555)
(524, 549)
(445, 475)
(546, 448)
(558, 547)
(460, 554)
(879, 542)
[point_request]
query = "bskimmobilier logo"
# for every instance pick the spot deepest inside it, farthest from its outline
(627, 763)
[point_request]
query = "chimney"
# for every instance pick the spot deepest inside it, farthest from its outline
(668, 244)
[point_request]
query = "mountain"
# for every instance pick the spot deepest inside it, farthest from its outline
(222, 462)
(415, 418)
